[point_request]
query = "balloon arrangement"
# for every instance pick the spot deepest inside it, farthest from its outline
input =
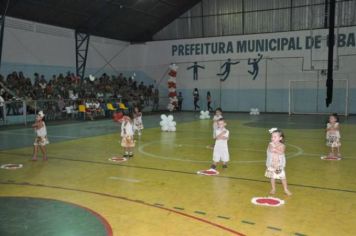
(172, 85)
(92, 78)
(204, 115)
(254, 111)
(167, 123)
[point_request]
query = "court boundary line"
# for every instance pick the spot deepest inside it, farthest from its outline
(194, 173)
(101, 218)
(299, 151)
(129, 200)
(64, 137)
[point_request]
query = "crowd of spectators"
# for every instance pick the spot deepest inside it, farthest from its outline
(62, 91)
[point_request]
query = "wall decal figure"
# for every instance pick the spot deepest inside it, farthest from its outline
(195, 68)
(254, 64)
(227, 66)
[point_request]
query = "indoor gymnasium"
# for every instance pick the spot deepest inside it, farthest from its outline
(163, 117)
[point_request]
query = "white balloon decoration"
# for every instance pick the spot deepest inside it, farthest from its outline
(172, 85)
(170, 107)
(204, 115)
(167, 123)
(254, 111)
(91, 78)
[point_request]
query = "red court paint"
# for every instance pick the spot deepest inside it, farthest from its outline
(330, 158)
(133, 201)
(208, 172)
(11, 166)
(267, 201)
(104, 222)
(118, 159)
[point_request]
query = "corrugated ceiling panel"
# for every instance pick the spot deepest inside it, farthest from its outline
(224, 17)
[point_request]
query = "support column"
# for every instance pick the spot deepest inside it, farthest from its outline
(2, 28)
(81, 52)
(331, 44)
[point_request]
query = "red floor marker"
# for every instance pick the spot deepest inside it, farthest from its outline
(330, 158)
(118, 159)
(267, 201)
(11, 166)
(208, 172)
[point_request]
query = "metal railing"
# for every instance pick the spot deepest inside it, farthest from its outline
(24, 111)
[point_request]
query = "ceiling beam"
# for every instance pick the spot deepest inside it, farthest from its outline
(168, 3)
(50, 7)
(135, 9)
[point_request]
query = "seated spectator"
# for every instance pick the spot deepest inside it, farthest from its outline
(52, 94)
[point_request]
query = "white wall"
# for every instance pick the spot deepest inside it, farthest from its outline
(269, 91)
(30, 47)
(46, 49)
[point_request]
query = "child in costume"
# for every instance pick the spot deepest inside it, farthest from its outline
(137, 123)
(127, 135)
(333, 135)
(217, 116)
(221, 151)
(41, 139)
(276, 160)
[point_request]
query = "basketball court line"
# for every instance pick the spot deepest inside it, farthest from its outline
(101, 218)
(111, 128)
(158, 205)
(125, 179)
(319, 155)
(49, 136)
(219, 226)
(299, 152)
(194, 173)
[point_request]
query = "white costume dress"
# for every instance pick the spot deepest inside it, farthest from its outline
(275, 165)
(333, 137)
(41, 136)
(221, 151)
(215, 124)
(127, 133)
(137, 123)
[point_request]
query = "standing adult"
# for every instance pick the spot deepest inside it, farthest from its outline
(196, 99)
(155, 100)
(208, 99)
(180, 101)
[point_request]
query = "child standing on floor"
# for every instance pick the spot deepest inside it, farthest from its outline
(217, 116)
(41, 136)
(333, 135)
(276, 160)
(127, 135)
(221, 151)
(137, 123)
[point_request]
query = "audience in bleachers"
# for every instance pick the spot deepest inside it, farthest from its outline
(62, 91)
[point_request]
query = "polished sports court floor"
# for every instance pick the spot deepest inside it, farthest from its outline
(79, 191)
